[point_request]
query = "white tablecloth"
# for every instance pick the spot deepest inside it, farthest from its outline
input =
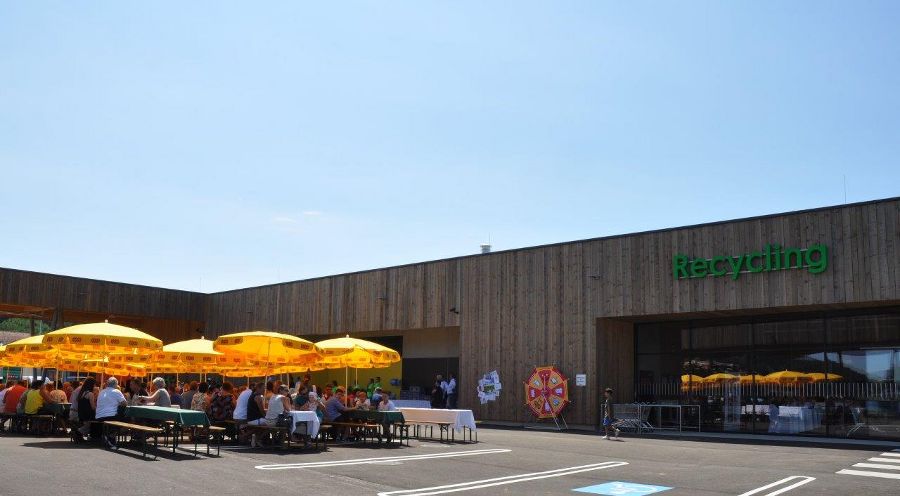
(311, 419)
(456, 418)
(412, 403)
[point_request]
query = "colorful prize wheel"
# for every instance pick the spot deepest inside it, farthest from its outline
(546, 392)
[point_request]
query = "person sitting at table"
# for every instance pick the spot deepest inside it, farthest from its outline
(270, 391)
(386, 405)
(362, 401)
(278, 404)
(240, 406)
(160, 396)
(133, 393)
(314, 404)
(212, 393)
(256, 410)
(376, 395)
(200, 402)
(57, 395)
(222, 405)
(108, 403)
(334, 412)
(37, 398)
(188, 395)
(13, 395)
(302, 397)
(327, 393)
(84, 403)
(67, 389)
(174, 395)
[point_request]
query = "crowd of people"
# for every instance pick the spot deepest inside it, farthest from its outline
(261, 403)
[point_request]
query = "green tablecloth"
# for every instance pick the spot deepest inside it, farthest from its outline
(383, 418)
(177, 415)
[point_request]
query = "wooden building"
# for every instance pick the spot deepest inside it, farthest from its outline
(574, 305)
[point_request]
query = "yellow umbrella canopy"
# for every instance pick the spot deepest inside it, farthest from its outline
(691, 378)
(103, 366)
(786, 377)
(4, 361)
(29, 345)
(356, 353)
(819, 377)
(269, 350)
(720, 377)
(192, 355)
(102, 338)
(750, 378)
(33, 352)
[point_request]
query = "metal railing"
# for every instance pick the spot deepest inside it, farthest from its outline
(649, 417)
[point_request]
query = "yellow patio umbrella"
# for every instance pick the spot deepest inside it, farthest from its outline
(751, 378)
(349, 352)
(720, 377)
(192, 355)
(786, 377)
(103, 366)
(265, 350)
(819, 377)
(103, 338)
(353, 352)
(33, 352)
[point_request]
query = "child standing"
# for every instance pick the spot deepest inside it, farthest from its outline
(608, 415)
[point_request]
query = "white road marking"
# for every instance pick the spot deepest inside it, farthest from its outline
(887, 460)
(890, 454)
(499, 481)
(382, 460)
(803, 480)
(866, 473)
(877, 465)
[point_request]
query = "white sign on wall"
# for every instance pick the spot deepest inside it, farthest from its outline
(581, 379)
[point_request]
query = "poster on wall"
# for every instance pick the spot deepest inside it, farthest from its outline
(489, 387)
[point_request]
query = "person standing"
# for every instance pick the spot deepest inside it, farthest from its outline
(451, 392)
(608, 415)
(437, 392)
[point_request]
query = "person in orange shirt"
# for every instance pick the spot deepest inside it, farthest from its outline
(12, 397)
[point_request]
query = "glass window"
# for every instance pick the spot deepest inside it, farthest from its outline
(662, 338)
(658, 377)
(789, 333)
(726, 337)
(864, 330)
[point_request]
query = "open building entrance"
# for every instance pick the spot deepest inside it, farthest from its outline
(426, 353)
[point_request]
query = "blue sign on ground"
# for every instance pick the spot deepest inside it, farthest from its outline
(619, 488)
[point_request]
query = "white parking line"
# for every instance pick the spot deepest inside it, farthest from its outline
(886, 460)
(499, 481)
(890, 454)
(803, 480)
(866, 473)
(382, 460)
(877, 465)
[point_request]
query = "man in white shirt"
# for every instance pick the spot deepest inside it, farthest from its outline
(109, 400)
(240, 407)
(450, 391)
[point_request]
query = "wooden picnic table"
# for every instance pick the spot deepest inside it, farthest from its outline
(179, 418)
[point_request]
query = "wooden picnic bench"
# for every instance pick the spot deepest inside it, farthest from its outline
(140, 433)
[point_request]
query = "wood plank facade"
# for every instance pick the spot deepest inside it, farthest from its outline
(572, 305)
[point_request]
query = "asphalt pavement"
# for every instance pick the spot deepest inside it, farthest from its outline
(503, 462)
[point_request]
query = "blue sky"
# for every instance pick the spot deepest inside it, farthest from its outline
(216, 145)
